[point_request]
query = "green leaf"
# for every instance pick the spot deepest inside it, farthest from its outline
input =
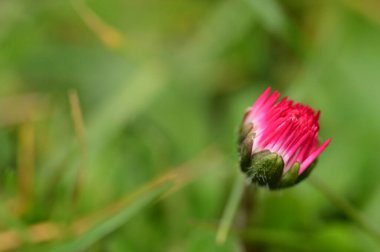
(112, 223)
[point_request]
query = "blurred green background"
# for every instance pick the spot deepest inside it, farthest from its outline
(118, 122)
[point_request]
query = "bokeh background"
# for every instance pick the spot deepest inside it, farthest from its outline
(118, 122)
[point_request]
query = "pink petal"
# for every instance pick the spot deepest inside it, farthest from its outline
(261, 100)
(313, 156)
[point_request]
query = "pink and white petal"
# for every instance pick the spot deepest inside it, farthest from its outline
(261, 100)
(313, 156)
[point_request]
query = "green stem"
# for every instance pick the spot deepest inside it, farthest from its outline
(347, 208)
(230, 209)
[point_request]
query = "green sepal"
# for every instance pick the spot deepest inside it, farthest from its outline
(245, 150)
(245, 129)
(307, 172)
(266, 168)
(289, 178)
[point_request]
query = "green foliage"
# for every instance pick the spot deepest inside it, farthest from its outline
(163, 86)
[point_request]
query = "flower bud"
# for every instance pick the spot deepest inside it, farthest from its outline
(278, 141)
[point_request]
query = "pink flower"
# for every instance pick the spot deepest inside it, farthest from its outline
(279, 141)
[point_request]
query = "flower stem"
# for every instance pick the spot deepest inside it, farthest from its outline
(230, 209)
(347, 208)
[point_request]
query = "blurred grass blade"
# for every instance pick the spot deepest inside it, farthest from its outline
(230, 209)
(115, 221)
(26, 168)
(127, 102)
(89, 229)
(108, 35)
(270, 14)
(362, 221)
(80, 132)
(22, 108)
(367, 8)
(212, 38)
(120, 212)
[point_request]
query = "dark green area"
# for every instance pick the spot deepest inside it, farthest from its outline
(174, 84)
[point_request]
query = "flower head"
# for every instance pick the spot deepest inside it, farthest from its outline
(278, 141)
